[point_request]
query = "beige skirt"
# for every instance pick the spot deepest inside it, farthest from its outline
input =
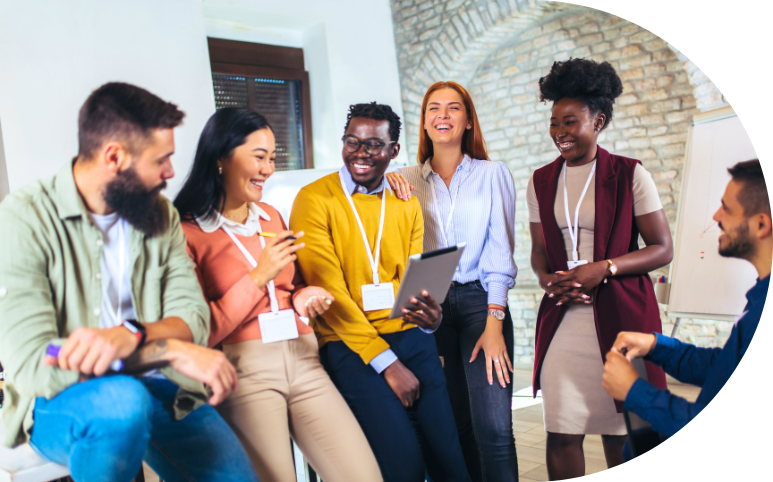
(573, 400)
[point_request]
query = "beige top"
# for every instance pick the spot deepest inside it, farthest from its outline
(645, 200)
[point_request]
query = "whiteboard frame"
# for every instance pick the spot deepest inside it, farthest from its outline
(701, 118)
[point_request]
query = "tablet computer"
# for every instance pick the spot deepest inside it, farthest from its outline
(432, 271)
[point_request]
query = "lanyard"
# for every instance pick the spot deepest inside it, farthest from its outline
(444, 227)
(251, 260)
(574, 231)
(373, 260)
(118, 314)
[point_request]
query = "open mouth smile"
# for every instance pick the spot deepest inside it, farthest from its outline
(564, 146)
(443, 127)
(361, 167)
(257, 183)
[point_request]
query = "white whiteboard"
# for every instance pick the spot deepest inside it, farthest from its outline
(704, 284)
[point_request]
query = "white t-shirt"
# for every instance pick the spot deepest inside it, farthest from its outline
(112, 228)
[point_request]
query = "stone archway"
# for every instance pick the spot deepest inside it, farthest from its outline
(498, 50)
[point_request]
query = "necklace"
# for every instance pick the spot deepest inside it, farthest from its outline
(233, 217)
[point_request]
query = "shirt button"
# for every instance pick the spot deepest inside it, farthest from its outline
(96, 312)
(3, 291)
(99, 242)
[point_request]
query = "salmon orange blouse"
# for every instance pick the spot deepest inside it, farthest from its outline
(234, 299)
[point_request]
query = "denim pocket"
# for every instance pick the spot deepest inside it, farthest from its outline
(479, 286)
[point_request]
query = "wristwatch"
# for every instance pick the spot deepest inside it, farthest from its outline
(136, 327)
(498, 314)
(612, 267)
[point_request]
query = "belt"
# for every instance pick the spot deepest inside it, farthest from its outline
(454, 284)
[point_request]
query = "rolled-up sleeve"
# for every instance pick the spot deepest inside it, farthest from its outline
(27, 314)
(182, 296)
(497, 266)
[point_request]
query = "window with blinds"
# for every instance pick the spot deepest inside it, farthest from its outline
(278, 100)
(271, 81)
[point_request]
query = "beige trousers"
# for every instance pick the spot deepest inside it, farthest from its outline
(285, 392)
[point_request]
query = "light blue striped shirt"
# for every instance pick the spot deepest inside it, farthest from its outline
(484, 218)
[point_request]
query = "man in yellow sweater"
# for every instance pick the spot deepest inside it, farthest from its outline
(358, 240)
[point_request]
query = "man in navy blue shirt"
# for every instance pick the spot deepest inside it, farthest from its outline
(745, 220)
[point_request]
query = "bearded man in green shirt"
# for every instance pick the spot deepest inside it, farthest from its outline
(95, 283)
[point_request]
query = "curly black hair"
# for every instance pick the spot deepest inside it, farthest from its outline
(376, 112)
(596, 84)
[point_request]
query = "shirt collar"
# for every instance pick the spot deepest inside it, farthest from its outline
(249, 228)
(67, 198)
(426, 168)
(352, 187)
(759, 291)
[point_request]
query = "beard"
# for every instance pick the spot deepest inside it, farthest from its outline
(139, 206)
(739, 243)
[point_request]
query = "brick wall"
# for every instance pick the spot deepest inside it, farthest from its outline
(499, 50)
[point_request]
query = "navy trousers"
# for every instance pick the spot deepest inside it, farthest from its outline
(483, 412)
(387, 425)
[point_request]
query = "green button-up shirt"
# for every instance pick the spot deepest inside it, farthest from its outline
(50, 253)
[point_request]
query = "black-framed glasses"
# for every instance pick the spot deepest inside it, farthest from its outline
(352, 144)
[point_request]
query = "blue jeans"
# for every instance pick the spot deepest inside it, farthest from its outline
(103, 428)
(483, 412)
(387, 425)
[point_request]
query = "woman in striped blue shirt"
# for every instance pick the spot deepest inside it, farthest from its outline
(466, 198)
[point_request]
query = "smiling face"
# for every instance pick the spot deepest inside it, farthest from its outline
(445, 118)
(735, 240)
(368, 170)
(574, 130)
(249, 167)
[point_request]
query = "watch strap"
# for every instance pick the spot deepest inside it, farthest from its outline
(136, 327)
(498, 314)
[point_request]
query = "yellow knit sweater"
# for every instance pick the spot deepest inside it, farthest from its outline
(335, 258)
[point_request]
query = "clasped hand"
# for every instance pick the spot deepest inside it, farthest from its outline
(575, 285)
(619, 374)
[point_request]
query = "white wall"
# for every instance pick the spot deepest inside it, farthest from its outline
(349, 50)
(4, 189)
(54, 53)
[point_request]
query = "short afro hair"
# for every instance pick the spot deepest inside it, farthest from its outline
(754, 195)
(597, 85)
(376, 112)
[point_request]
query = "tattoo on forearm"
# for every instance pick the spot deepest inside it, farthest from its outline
(148, 357)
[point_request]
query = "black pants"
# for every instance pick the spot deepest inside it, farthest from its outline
(392, 431)
(483, 412)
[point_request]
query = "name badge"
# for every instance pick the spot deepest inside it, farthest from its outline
(378, 297)
(574, 264)
(279, 326)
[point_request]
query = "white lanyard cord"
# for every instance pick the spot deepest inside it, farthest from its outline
(118, 315)
(254, 263)
(574, 230)
(444, 227)
(373, 260)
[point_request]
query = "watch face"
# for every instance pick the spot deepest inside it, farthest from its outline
(498, 314)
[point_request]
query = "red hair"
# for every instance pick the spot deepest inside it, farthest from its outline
(472, 140)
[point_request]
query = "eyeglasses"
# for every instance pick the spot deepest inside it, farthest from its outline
(352, 144)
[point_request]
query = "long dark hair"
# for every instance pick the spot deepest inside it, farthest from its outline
(203, 194)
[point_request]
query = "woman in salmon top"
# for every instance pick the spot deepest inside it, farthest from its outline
(260, 308)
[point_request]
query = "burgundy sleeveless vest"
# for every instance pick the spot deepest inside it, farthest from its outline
(624, 303)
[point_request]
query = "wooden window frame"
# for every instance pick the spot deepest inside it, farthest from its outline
(232, 57)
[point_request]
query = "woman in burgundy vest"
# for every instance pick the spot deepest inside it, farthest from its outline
(587, 210)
